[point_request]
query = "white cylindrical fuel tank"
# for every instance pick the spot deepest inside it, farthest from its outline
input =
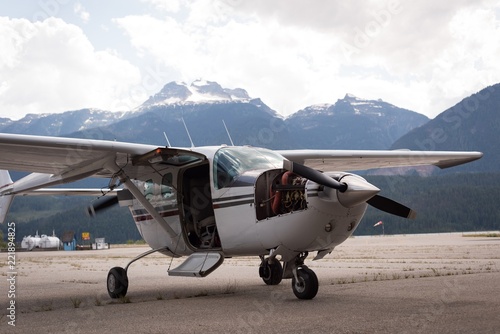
(49, 242)
(30, 242)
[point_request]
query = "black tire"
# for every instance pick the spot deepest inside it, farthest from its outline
(117, 282)
(306, 287)
(271, 272)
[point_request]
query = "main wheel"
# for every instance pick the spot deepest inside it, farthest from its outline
(271, 272)
(306, 286)
(117, 282)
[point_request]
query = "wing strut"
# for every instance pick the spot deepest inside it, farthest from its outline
(140, 197)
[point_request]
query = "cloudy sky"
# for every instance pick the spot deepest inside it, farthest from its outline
(59, 55)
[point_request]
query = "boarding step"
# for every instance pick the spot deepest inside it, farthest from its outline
(198, 264)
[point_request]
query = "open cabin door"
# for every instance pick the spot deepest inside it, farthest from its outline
(196, 207)
(186, 175)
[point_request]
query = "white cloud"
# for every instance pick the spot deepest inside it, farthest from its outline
(165, 5)
(423, 55)
(292, 53)
(269, 61)
(81, 12)
(51, 66)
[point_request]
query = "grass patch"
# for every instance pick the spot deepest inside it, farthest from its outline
(482, 235)
(125, 300)
(76, 302)
(97, 301)
(203, 293)
(230, 288)
(45, 308)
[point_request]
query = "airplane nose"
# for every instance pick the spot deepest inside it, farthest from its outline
(358, 191)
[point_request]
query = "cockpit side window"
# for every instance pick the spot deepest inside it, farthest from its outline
(167, 191)
(231, 162)
(225, 170)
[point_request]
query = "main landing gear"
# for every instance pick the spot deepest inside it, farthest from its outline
(117, 282)
(304, 280)
(304, 283)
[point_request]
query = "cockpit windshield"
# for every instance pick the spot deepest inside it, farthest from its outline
(231, 162)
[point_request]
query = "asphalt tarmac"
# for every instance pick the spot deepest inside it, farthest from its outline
(437, 283)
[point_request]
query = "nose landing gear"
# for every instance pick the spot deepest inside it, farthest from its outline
(271, 271)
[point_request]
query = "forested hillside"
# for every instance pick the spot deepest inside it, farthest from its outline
(446, 203)
(470, 125)
(61, 213)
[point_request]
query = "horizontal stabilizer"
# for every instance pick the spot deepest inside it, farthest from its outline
(198, 264)
(5, 200)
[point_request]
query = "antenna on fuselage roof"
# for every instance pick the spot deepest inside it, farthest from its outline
(227, 131)
(166, 138)
(187, 131)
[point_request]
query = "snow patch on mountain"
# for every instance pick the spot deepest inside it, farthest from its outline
(200, 91)
(363, 106)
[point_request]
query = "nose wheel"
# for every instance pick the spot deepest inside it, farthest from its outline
(304, 283)
(271, 271)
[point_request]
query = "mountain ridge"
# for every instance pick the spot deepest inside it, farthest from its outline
(354, 123)
(470, 125)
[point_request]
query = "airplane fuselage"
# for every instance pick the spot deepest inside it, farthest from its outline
(241, 211)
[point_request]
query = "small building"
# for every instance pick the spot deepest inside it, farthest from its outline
(100, 243)
(69, 240)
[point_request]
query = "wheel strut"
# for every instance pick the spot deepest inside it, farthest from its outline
(140, 256)
(117, 281)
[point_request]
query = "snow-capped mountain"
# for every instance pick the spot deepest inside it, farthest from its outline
(352, 105)
(349, 123)
(200, 91)
(203, 106)
(353, 123)
(62, 123)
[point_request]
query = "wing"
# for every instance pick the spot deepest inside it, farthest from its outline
(346, 160)
(55, 160)
(76, 158)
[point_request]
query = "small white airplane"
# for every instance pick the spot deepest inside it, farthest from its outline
(211, 203)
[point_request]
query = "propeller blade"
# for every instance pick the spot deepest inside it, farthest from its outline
(102, 205)
(388, 205)
(314, 175)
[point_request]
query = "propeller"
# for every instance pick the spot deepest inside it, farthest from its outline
(314, 175)
(101, 205)
(353, 192)
(388, 205)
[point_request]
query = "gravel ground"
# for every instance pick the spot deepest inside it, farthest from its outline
(444, 283)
